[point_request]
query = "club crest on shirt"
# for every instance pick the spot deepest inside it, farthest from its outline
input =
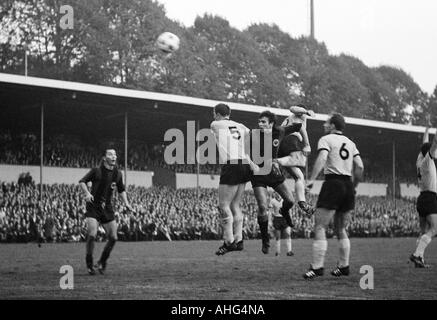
(275, 142)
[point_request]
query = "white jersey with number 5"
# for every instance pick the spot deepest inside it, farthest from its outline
(341, 153)
(229, 136)
(426, 173)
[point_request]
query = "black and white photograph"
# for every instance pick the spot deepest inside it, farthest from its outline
(219, 157)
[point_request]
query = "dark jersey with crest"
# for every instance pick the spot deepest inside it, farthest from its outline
(104, 181)
(277, 134)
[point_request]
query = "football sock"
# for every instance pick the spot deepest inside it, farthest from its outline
(278, 246)
(107, 250)
(228, 235)
(288, 243)
(90, 245)
(89, 260)
(263, 222)
(238, 228)
(345, 249)
(302, 204)
(319, 251)
(286, 206)
(424, 241)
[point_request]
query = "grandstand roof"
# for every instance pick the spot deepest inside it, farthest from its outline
(177, 99)
(93, 110)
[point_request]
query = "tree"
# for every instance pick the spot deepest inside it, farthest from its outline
(432, 107)
(411, 104)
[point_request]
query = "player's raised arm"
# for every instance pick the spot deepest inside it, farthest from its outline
(426, 133)
(433, 149)
(306, 141)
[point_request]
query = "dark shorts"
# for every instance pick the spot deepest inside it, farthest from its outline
(337, 193)
(279, 223)
(426, 203)
(267, 180)
(102, 215)
(234, 174)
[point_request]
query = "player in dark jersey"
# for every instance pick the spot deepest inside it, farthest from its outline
(293, 152)
(99, 207)
(275, 179)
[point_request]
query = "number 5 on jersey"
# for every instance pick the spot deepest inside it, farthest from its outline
(235, 133)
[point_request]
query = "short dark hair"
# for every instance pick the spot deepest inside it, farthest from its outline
(222, 109)
(425, 148)
(338, 121)
(269, 115)
(108, 148)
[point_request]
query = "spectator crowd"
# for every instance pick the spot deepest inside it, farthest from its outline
(76, 152)
(163, 213)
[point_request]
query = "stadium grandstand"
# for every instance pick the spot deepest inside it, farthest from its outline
(52, 131)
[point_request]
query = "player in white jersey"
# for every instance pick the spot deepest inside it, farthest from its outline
(340, 159)
(236, 170)
(281, 227)
(427, 200)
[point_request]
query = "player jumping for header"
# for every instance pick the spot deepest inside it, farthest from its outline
(271, 134)
(231, 138)
(293, 152)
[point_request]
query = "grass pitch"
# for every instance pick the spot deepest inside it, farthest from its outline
(191, 270)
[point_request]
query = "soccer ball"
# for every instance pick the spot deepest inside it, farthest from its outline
(167, 42)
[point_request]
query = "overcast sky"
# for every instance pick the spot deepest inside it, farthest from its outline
(399, 33)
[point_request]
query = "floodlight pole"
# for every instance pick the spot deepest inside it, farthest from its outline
(25, 62)
(41, 155)
(197, 161)
(394, 172)
(125, 147)
(312, 18)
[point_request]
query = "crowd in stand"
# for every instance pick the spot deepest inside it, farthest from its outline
(164, 213)
(71, 151)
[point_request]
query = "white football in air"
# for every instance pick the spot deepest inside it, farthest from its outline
(168, 42)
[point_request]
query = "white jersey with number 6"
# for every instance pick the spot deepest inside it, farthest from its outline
(229, 136)
(426, 173)
(341, 153)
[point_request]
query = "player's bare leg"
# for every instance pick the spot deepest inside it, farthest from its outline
(340, 223)
(263, 217)
(429, 225)
(299, 187)
(92, 226)
(288, 202)
(278, 234)
(322, 217)
(226, 195)
(238, 217)
(111, 231)
(288, 243)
